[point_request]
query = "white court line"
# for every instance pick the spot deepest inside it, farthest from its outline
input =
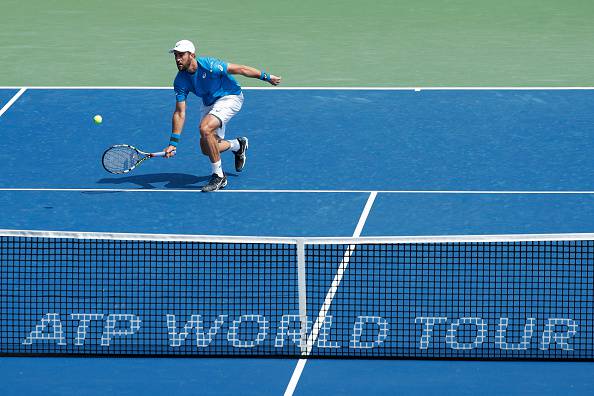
(330, 296)
(197, 190)
(281, 88)
(11, 101)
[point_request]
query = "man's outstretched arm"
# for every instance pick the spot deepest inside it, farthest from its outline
(249, 71)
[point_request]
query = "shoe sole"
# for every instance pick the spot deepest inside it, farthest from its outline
(244, 155)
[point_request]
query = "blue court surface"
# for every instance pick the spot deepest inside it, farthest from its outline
(436, 162)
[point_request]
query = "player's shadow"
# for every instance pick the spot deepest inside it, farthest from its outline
(168, 180)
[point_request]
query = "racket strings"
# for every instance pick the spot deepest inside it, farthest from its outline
(120, 159)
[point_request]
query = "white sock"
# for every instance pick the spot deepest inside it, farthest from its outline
(217, 168)
(234, 144)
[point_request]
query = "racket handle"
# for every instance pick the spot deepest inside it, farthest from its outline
(161, 154)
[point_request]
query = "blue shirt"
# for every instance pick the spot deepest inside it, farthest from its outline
(209, 82)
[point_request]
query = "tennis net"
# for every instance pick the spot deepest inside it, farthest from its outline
(481, 297)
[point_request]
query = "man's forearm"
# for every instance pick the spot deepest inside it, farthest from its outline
(177, 122)
(177, 125)
(249, 71)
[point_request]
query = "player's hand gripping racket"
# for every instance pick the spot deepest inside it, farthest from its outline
(122, 158)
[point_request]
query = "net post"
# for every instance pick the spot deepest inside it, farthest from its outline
(302, 293)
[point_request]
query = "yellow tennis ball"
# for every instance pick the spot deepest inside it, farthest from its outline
(98, 119)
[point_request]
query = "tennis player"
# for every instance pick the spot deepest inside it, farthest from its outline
(211, 80)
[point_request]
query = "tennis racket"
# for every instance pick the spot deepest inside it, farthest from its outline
(122, 158)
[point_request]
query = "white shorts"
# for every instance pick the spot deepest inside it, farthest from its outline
(224, 109)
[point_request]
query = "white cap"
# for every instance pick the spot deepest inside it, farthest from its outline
(183, 46)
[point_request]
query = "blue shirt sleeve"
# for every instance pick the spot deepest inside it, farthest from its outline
(181, 88)
(215, 66)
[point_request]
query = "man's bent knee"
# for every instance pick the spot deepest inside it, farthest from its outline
(207, 131)
(209, 126)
